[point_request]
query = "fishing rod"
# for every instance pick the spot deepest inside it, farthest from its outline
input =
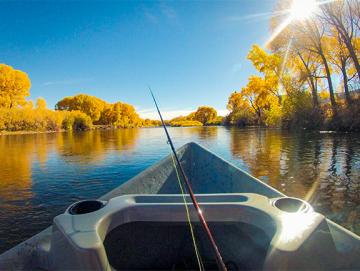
(219, 260)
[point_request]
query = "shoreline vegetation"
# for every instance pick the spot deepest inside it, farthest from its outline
(307, 77)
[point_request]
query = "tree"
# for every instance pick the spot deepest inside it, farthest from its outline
(40, 103)
(340, 58)
(241, 113)
(308, 70)
(344, 16)
(205, 114)
(237, 102)
(14, 87)
(307, 36)
(312, 38)
(260, 99)
(270, 65)
(90, 105)
(120, 115)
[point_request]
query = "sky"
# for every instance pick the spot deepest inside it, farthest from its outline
(191, 53)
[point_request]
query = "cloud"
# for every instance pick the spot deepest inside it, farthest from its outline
(67, 82)
(161, 11)
(150, 16)
(223, 112)
(151, 113)
(256, 16)
(167, 11)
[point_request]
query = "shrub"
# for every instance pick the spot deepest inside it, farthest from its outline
(150, 123)
(347, 118)
(273, 115)
(28, 119)
(76, 121)
(298, 112)
(186, 123)
(240, 118)
(217, 121)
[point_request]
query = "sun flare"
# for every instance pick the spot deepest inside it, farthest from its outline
(303, 9)
(300, 10)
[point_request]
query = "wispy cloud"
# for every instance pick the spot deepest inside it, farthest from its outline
(159, 12)
(150, 16)
(67, 82)
(255, 17)
(167, 11)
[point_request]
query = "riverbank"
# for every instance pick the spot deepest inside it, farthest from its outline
(29, 132)
(109, 127)
(94, 127)
(5, 133)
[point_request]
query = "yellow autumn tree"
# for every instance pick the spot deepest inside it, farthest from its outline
(150, 123)
(120, 115)
(205, 114)
(241, 113)
(254, 104)
(40, 103)
(262, 96)
(270, 65)
(14, 87)
(340, 58)
(90, 105)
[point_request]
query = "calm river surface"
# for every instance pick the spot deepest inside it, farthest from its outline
(41, 174)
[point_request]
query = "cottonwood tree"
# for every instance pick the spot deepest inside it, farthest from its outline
(14, 87)
(90, 105)
(344, 16)
(340, 58)
(40, 103)
(205, 114)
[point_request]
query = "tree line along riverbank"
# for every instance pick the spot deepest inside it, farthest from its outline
(84, 112)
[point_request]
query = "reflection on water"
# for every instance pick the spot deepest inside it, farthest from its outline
(91, 147)
(42, 174)
(324, 169)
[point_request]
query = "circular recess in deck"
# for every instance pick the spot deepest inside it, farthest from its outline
(291, 205)
(85, 207)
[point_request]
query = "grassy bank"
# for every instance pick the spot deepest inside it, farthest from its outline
(29, 132)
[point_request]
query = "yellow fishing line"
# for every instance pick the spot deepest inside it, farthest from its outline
(198, 257)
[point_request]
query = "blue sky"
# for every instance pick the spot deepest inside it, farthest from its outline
(192, 53)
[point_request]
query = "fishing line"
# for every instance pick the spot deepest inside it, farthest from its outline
(198, 257)
(215, 249)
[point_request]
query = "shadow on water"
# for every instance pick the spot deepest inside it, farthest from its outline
(42, 174)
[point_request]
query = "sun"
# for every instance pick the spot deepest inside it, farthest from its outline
(303, 9)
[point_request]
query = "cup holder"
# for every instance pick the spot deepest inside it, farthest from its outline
(292, 205)
(85, 207)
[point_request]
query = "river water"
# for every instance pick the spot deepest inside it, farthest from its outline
(41, 174)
